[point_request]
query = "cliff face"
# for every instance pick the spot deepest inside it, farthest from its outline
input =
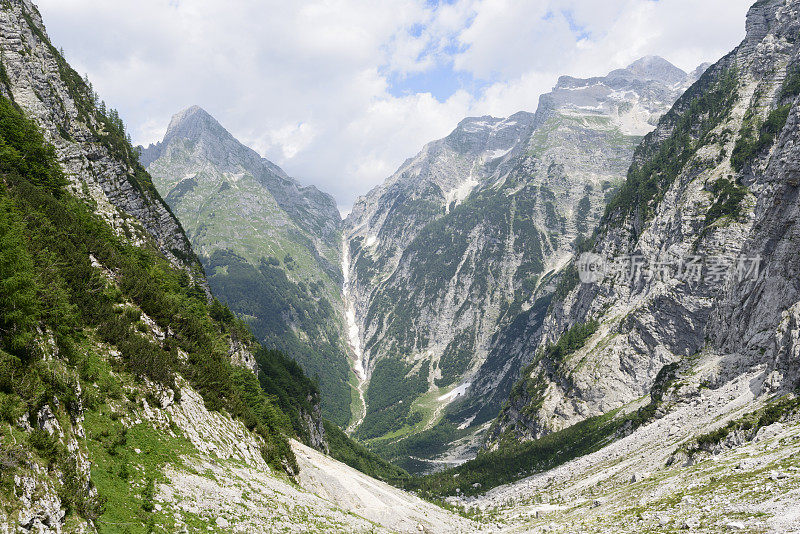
(696, 247)
(270, 247)
(455, 254)
(91, 147)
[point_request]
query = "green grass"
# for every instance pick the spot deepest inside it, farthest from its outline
(125, 479)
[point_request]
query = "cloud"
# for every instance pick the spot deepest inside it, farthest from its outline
(335, 91)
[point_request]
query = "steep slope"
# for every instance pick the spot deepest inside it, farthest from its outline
(270, 247)
(454, 254)
(118, 397)
(111, 352)
(697, 248)
(91, 145)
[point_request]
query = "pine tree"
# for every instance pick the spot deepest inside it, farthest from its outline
(18, 304)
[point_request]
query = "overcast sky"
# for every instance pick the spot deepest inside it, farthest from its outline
(340, 92)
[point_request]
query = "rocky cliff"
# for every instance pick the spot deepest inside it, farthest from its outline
(270, 246)
(91, 144)
(693, 254)
(455, 254)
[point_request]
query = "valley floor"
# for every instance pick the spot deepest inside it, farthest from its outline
(628, 486)
(746, 486)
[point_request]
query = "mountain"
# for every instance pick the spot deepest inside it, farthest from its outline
(662, 394)
(270, 246)
(712, 185)
(126, 392)
(659, 351)
(455, 254)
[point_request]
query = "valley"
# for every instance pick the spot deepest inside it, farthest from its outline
(582, 318)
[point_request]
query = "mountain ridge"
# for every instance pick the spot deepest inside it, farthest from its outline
(713, 200)
(420, 243)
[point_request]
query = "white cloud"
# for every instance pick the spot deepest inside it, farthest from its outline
(307, 83)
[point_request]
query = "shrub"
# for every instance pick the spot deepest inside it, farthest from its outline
(748, 145)
(45, 444)
(728, 199)
(19, 310)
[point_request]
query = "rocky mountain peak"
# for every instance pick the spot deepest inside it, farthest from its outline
(192, 122)
(490, 133)
(656, 68)
(633, 98)
(195, 127)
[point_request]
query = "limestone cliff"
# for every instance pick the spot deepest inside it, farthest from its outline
(696, 245)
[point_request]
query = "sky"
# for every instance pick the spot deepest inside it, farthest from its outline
(340, 92)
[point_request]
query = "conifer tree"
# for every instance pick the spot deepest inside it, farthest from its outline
(18, 304)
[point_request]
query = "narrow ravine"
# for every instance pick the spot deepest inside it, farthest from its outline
(353, 339)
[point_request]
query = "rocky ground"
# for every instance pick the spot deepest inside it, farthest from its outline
(225, 483)
(628, 486)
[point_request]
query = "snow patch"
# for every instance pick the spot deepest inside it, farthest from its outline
(457, 392)
(496, 154)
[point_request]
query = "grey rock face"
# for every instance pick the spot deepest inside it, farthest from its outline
(39, 80)
(451, 260)
(731, 196)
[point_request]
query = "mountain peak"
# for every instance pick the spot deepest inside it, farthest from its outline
(191, 122)
(657, 68)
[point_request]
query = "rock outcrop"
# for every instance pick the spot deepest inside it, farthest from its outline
(100, 164)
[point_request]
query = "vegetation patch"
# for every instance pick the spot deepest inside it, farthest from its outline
(359, 457)
(276, 308)
(456, 359)
(750, 423)
(665, 378)
(571, 341)
(48, 284)
(391, 390)
(728, 196)
(658, 163)
(507, 464)
(126, 479)
(752, 141)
